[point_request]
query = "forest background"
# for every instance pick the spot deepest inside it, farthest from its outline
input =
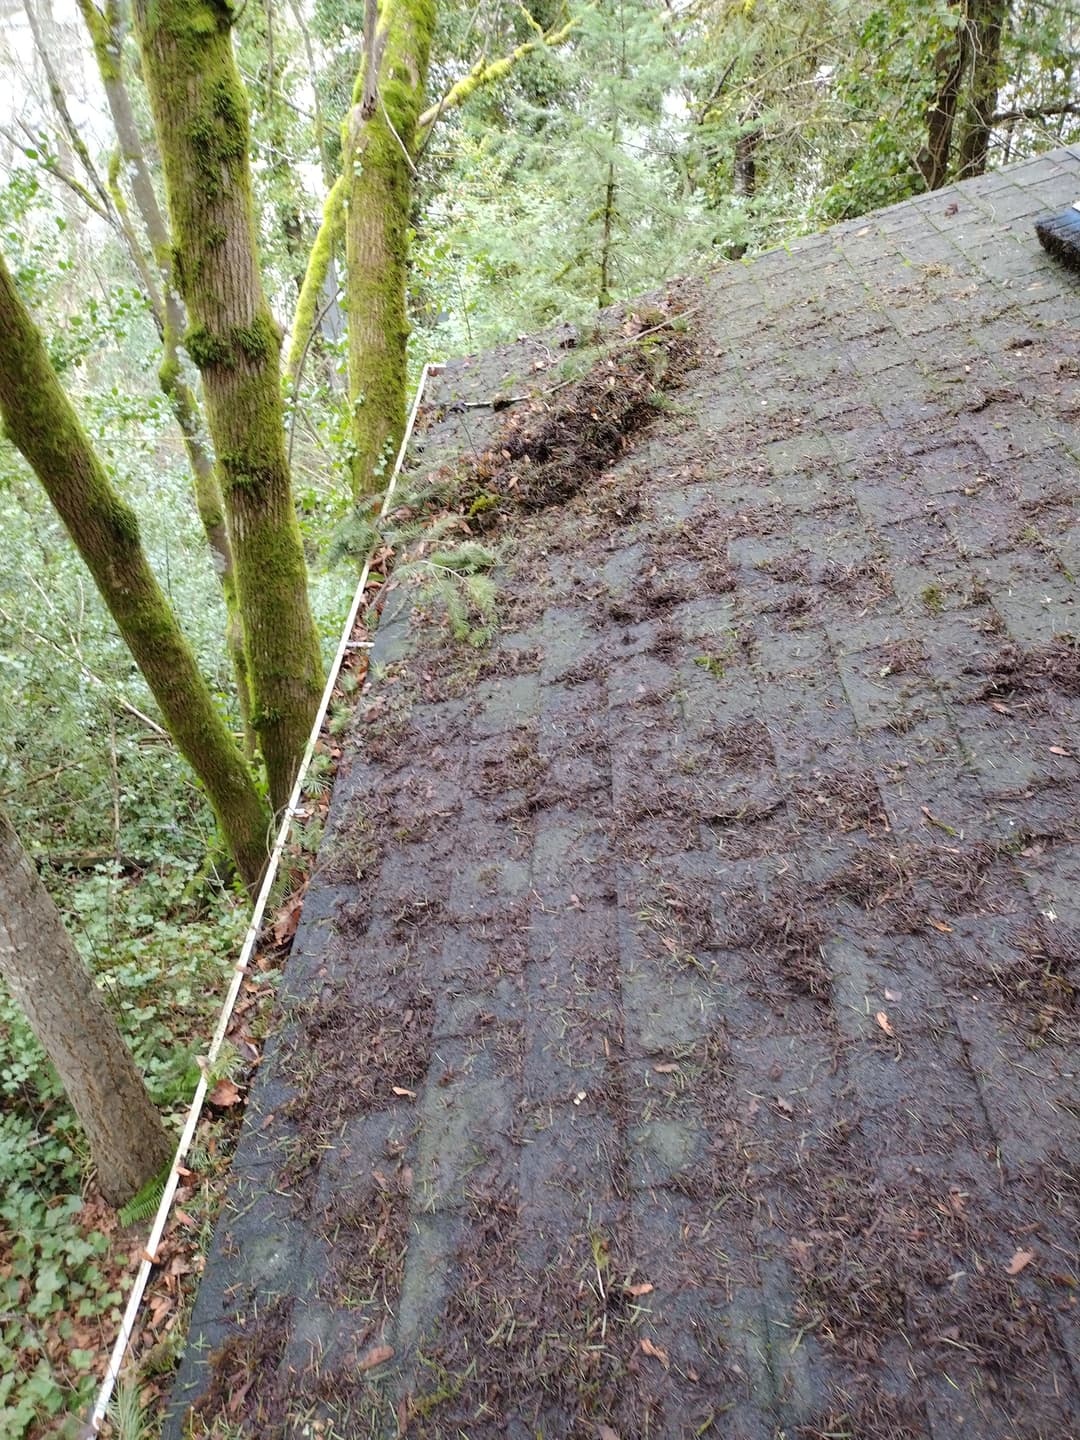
(621, 143)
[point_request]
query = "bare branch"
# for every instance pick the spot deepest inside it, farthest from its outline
(1035, 112)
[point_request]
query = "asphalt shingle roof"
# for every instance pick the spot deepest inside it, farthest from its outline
(680, 1035)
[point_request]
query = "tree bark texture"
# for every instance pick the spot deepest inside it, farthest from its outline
(379, 164)
(201, 117)
(50, 984)
(746, 148)
(987, 20)
(107, 28)
(607, 238)
(385, 134)
(313, 286)
(41, 422)
(950, 64)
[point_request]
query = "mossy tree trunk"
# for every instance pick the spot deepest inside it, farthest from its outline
(379, 165)
(107, 29)
(41, 422)
(385, 133)
(50, 984)
(201, 118)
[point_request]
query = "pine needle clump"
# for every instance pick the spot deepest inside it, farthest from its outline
(551, 449)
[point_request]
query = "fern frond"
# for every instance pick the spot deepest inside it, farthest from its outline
(353, 538)
(129, 1419)
(409, 530)
(467, 558)
(145, 1202)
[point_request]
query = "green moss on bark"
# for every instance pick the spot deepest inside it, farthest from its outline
(200, 115)
(331, 233)
(377, 164)
(42, 424)
(381, 142)
(206, 349)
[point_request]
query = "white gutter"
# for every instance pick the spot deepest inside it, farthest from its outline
(127, 1325)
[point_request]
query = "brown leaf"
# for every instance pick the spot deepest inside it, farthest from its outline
(1060, 750)
(400, 1090)
(638, 1290)
(1000, 708)
(666, 1069)
(800, 1251)
(883, 1020)
(377, 1355)
(784, 1106)
(288, 917)
(940, 925)
(1020, 1261)
(892, 995)
(224, 1094)
(656, 1351)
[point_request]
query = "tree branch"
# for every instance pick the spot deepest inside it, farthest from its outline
(486, 72)
(59, 100)
(1035, 112)
(52, 166)
(326, 243)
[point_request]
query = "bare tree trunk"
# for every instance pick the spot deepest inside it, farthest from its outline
(987, 22)
(74, 1027)
(201, 117)
(604, 296)
(40, 421)
(745, 171)
(950, 63)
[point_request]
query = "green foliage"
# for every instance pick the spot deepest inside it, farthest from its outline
(353, 538)
(126, 1412)
(163, 974)
(52, 1277)
(145, 1202)
(89, 780)
(456, 580)
(515, 238)
(468, 558)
